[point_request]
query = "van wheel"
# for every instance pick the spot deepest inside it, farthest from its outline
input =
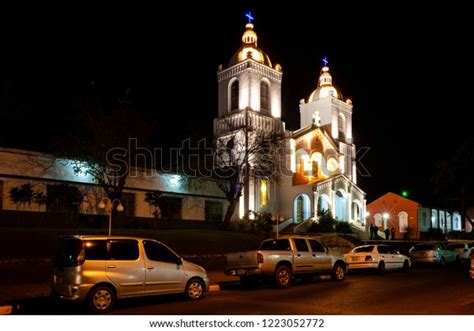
(101, 299)
(194, 289)
(338, 272)
(283, 277)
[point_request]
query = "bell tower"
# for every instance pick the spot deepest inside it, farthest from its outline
(326, 108)
(250, 80)
(249, 93)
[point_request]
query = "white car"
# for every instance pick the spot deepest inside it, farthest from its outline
(379, 257)
(463, 249)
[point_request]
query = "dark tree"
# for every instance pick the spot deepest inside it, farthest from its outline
(105, 143)
(454, 178)
(242, 155)
(166, 207)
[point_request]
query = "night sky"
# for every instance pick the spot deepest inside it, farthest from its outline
(404, 69)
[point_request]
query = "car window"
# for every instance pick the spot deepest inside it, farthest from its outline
(424, 247)
(276, 245)
(301, 245)
(316, 246)
(383, 249)
(124, 249)
(157, 252)
(454, 246)
(442, 246)
(391, 250)
(95, 249)
(69, 253)
(363, 249)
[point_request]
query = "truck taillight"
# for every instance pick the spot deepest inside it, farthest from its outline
(368, 258)
(259, 258)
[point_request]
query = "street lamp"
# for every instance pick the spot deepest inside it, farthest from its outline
(103, 204)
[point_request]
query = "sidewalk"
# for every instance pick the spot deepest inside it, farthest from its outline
(20, 291)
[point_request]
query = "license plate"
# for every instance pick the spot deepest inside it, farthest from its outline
(58, 279)
(241, 272)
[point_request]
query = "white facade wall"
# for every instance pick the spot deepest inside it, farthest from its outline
(20, 167)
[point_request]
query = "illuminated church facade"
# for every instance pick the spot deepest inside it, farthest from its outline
(319, 156)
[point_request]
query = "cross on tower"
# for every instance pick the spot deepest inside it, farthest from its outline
(249, 17)
(325, 61)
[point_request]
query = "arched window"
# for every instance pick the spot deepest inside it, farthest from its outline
(264, 97)
(403, 221)
(234, 96)
(341, 207)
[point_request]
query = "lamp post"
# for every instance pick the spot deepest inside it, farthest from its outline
(103, 204)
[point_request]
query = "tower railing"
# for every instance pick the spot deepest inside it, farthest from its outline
(256, 121)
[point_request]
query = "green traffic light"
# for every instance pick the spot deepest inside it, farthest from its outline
(405, 193)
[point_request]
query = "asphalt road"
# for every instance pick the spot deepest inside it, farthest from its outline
(421, 291)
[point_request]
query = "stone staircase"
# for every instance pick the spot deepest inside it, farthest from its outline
(340, 243)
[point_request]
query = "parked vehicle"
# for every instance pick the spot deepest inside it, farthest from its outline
(284, 257)
(463, 250)
(379, 257)
(436, 253)
(101, 269)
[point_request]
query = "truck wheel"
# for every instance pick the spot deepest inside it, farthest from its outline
(283, 276)
(338, 272)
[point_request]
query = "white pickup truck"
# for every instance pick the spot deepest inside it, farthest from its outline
(284, 257)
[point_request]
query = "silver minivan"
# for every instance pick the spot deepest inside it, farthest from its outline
(102, 269)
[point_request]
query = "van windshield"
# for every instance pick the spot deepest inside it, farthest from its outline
(69, 253)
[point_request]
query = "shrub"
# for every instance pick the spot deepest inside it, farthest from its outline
(326, 223)
(261, 222)
(343, 227)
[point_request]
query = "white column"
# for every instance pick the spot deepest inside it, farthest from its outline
(332, 197)
(349, 129)
(334, 125)
(315, 207)
(349, 206)
(244, 90)
(276, 100)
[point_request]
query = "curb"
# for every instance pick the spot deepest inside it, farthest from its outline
(6, 310)
(214, 288)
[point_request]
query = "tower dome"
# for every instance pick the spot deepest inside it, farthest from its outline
(249, 49)
(325, 87)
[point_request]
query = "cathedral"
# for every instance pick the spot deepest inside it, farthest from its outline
(320, 154)
(317, 168)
